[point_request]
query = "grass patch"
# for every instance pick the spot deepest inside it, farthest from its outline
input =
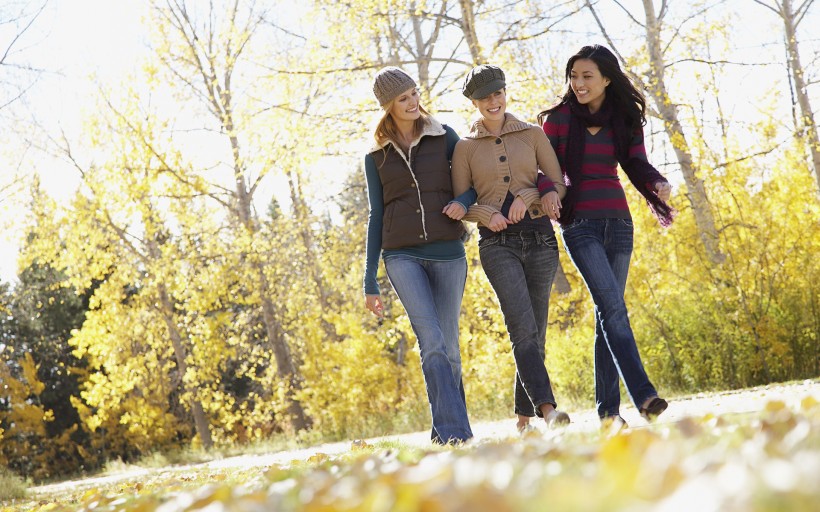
(12, 487)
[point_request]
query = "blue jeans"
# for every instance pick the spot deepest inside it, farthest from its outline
(431, 293)
(521, 268)
(601, 250)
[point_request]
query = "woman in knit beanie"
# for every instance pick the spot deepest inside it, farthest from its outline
(500, 158)
(595, 127)
(415, 226)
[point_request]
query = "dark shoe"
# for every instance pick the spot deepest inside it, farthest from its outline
(556, 419)
(653, 409)
(613, 424)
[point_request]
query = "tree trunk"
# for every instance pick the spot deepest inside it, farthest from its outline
(806, 125)
(285, 369)
(469, 30)
(702, 209)
(560, 283)
(180, 354)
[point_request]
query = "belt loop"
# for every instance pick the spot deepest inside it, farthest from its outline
(503, 238)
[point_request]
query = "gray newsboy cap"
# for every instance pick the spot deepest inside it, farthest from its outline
(389, 82)
(482, 81)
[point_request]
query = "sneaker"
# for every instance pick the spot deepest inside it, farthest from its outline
(556, 419)
(653, 409)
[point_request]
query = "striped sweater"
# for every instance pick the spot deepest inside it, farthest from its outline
(601, 194)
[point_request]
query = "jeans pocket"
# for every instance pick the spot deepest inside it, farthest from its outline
(574, 225)
(487, 242)
(627, 222)
(549, 240)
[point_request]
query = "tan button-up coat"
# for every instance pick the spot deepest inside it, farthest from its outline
(509, 162)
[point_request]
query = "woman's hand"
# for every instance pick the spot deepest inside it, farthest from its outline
(374, 304)
(664, 190)
(551, 204)
(498, 222)
(454, 210)
(517, 211)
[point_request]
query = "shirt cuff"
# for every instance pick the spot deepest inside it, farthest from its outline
(545, 187)
(481, 214)
(529, 195)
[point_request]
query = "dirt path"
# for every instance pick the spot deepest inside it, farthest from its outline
(729, 402)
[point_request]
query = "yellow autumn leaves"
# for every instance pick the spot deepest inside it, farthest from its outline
(763, 461)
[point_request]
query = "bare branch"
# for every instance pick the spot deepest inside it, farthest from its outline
(802, 8)
(629, 14)
(363, 67)
(694, 15)
(15, 98)
(21, 32)
(716, 62)
(801, 11)
(763, 152)
(767, 6)
(534, 35)
(604, 32)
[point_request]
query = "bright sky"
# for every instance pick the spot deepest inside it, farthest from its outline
(72, 39)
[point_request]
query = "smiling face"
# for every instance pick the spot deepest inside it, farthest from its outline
(588, 84)
(492, 107)
(406, 106)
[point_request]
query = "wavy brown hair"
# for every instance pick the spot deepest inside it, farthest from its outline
(386, 129)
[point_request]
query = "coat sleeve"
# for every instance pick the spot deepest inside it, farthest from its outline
(463, 181)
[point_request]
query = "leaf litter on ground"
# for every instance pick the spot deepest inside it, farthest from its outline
(766, 461)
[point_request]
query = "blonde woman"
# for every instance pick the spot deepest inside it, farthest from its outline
(415, 226)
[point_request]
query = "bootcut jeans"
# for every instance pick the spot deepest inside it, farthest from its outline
(520, 267)
(431, 293)
(601, 250)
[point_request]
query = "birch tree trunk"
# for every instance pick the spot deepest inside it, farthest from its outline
(469, 30)
(806, 125)
(668, 111)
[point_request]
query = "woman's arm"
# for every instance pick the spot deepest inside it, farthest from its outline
(548, 164)
(374, 226)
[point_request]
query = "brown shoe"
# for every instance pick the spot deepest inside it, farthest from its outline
(654, 408)
(556, 419)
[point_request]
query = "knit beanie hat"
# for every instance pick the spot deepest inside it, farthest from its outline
(389, 83)
(482, 81)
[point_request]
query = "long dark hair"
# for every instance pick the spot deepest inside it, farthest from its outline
(626, 100)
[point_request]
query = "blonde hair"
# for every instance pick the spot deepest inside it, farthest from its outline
(386, 129)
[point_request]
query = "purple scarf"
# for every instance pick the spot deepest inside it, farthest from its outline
(641, 173)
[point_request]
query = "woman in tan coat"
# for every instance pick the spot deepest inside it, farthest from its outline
(500, 159)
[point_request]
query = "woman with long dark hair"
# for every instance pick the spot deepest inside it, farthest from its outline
(597, 125)
(415, 226)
